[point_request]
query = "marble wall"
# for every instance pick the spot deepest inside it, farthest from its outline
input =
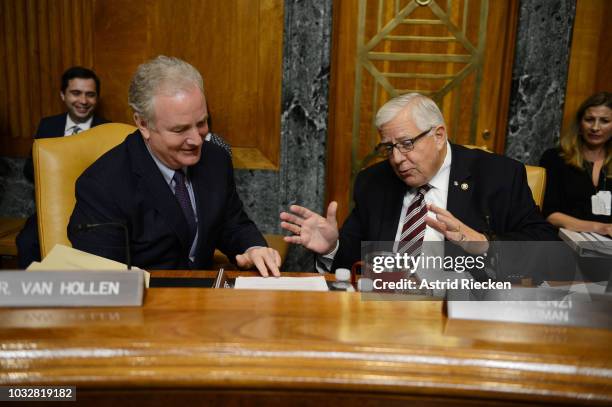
(16, 193)
(301, 179)
(539, 77)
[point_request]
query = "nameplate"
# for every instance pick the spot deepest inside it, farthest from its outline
(535, 306)
(71, 288)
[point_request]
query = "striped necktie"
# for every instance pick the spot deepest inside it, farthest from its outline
(75, 130)
(413, 229)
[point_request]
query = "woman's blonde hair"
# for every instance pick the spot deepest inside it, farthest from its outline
(572, 142)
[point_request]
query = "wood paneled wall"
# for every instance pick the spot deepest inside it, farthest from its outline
(591, 55)
(39, 39)
(236, 45)
(351, 118)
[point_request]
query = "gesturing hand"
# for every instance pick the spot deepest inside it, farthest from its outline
(310, 229)
(604, 229)
(456, 231)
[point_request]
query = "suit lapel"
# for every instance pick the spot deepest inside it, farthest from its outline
(392, 207)
(62, 127)
(198, 175)
(97, 120)
(460, 186)
(151, 180)
(56, 126)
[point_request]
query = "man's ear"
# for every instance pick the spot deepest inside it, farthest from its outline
(440, 134)
(141, 123)
(62, 96)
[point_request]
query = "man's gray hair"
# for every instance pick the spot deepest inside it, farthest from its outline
(161, 75)
(425, 112)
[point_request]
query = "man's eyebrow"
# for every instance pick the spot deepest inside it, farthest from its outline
(403, 139)
(398, 139)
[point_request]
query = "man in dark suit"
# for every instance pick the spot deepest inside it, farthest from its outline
(426, 190)
(80, 90)
(175, 193)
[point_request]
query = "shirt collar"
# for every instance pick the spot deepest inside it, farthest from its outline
(440, 180)
(167, 172)
(70, 124)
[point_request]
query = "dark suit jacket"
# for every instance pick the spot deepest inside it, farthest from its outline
(53, 126)
(126, 186)
(497, 190)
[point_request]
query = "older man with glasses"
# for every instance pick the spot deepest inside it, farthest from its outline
(427, 189)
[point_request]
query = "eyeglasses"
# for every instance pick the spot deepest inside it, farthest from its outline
(405, 146)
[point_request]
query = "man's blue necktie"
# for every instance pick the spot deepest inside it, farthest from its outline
(182, 195)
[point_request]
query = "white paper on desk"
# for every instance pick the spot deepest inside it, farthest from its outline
(586, 240)
(64, 258)
(316, 283)
(583, 288)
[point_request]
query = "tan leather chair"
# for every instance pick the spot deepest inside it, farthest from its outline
(58, 162)
(536, 178)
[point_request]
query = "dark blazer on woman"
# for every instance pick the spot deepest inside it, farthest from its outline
(569, 189)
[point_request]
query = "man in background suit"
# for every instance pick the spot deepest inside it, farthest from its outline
(465, 196)
(175, 193)
(80, 90)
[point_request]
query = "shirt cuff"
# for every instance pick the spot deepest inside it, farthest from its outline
(323, 262)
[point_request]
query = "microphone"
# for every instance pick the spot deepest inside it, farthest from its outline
(83, 227)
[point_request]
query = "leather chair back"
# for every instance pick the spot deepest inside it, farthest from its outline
(58, 162)
(536, 178)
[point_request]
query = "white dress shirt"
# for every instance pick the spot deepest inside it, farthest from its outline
(70, 125)
(168, 174)
(437, 195)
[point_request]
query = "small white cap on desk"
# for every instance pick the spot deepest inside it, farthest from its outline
(343, 275)
(365, 284)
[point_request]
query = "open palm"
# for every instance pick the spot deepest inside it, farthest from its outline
(311, 230)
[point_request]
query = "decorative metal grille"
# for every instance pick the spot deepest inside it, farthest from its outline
(420, 46)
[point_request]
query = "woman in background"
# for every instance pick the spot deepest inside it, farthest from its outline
(579, 173)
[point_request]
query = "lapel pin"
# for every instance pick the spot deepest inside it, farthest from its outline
(464, 186)
(455, 183)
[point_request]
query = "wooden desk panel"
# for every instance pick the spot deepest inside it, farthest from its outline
(219, 346)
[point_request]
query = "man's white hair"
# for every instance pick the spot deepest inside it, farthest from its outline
(425, 113)
(161, 75)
